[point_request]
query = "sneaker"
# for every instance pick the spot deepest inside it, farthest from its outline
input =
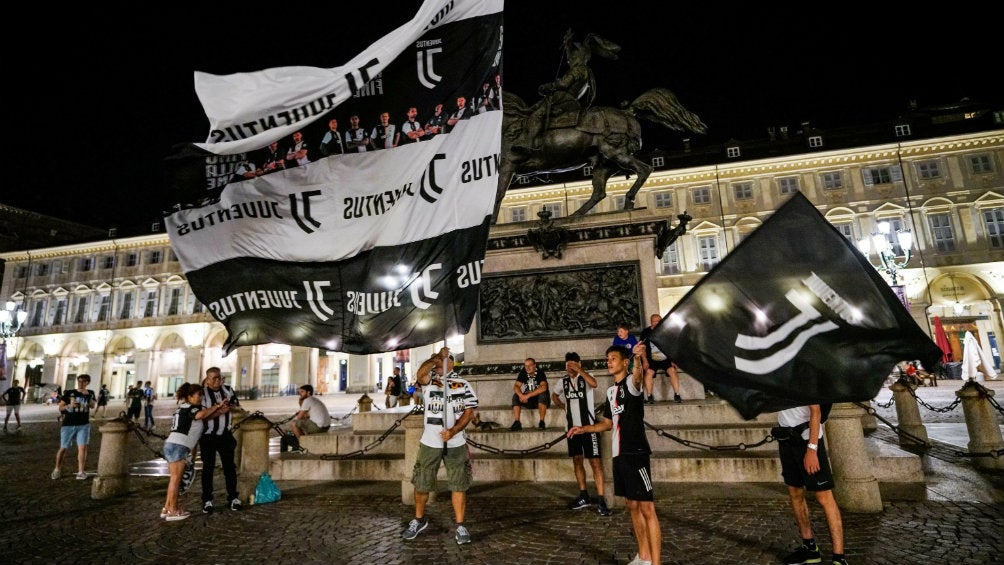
(516, 426)
(235, 505)
(416, 526)
(55, 474)
(207, 507)
(651, 400)
(542, 425)
(638, 561)
(463, 536)
(803, 555)
(602, 509)
(578, 503)
(677, 399)
(163, 512)
(81, 476)
(841, 561)
(175, 515)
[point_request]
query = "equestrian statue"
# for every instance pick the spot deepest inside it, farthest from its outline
(564, 131)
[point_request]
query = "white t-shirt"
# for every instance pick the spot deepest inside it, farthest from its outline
(461, 397)
(317, 411)
(791, 417)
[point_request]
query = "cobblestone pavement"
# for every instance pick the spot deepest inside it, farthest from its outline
(44, 521)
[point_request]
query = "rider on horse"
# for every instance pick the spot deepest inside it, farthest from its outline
(562, 96)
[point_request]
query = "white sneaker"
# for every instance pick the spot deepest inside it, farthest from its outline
(638, 561)
(81, 476)
(55, 474)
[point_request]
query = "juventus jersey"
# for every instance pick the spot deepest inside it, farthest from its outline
(579, 409)
(626, 408)
(218, 425)
(185, 429)
(443, 411)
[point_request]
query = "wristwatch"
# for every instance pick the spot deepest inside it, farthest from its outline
(813, 446)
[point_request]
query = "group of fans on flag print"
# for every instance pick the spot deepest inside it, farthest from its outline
(357, 135)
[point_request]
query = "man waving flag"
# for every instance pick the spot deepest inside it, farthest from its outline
(375, 248)
(794, 315)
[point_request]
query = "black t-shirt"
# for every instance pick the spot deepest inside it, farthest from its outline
(395, 385)
(79, 415)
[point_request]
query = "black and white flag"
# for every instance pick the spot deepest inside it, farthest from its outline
(794, 315)
(359, 247)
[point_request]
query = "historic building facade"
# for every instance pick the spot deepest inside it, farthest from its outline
(122, 309)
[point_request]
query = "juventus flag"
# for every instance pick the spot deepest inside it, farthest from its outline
(795, 315)
(362, 240)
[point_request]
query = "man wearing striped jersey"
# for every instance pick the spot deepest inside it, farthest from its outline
(624, 413)
(576, 397)
(218, 439)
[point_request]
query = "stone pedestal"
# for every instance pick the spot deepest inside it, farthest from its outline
(857, 489)
(113, 471)
(254, 457)
(908, 413)
(403, 400)
(981, 423)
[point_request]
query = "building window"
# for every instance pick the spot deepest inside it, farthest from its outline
(132, 259)
(941, 231)
(60, 315)
(928, 170)
(80, 314)
(980, 164)
(733, 152)
(788, 185)
(619, 202)
(658, 161)
(171, 256)
(517, 214)
(523, 179)
(994, 222)
(708, 249)
(42, 269)
(21, 272)
(86, 264)
(845, 230)
(902, 130)
(671, 260)
(197, 308)
(587, 171)
(816, 141)
(103, 306)
(108, 262)
(663, 199)
(126, 311)
(156, 257)
(701, 195)
(743, 190)
(36, 316)
(877, 175)
(150, 304)
(554, 208)
(174, 304)
(832, 181)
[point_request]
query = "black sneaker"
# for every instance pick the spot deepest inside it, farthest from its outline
(841, 561)
(579, 503)
(542, 425)
(651, 400)
(602, 509)
(207, 507)
(516, 426)
(677, 399)
(803, 555)
(415, 526)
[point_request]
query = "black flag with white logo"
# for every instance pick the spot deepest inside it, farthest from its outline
(794, 315)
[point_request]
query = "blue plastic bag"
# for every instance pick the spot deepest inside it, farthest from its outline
(267, 490)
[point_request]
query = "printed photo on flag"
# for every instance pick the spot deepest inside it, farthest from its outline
(323, 212)
(794, 315)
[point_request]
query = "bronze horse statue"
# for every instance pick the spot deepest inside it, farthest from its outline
(602, 137)
(560, 133)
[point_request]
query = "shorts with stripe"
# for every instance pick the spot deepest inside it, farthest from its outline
(633, 477)
(586, 445)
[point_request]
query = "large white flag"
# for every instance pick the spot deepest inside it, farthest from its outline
(364, 240)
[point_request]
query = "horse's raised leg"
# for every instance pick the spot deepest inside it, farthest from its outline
(642, 170)
(601, 173)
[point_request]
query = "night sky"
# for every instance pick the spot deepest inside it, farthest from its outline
(96, 107)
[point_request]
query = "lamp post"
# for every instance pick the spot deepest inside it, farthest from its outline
(11, 319)
(879, 242)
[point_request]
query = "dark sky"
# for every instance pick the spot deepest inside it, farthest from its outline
(96, 104)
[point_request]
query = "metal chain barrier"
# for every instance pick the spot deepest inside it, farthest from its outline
(542, 447)
(928, 443)
(698, 445)
(417, 409)
(921, 401)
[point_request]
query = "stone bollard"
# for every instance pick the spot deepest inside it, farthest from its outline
(254, 459)
(414, 425)
(365, 403)
(856, 490)
(981, 423)
(238, 415)
(403, 400)
(908, 413)
(869, 423)
(113, 471)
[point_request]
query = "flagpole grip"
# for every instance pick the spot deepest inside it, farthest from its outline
(856, 489)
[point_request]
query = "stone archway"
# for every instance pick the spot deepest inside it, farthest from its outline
(966, 303)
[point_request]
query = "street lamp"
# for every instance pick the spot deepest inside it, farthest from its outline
(886, 252)
(11, 319)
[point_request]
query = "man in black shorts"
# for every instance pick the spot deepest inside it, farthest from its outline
(658, 361)
(624, 413)
(575, 395)
(529, 391)
(805, 467)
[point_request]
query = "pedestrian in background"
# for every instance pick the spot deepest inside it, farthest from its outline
(75, 428)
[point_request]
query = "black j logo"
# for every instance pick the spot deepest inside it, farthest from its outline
(305, 217)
